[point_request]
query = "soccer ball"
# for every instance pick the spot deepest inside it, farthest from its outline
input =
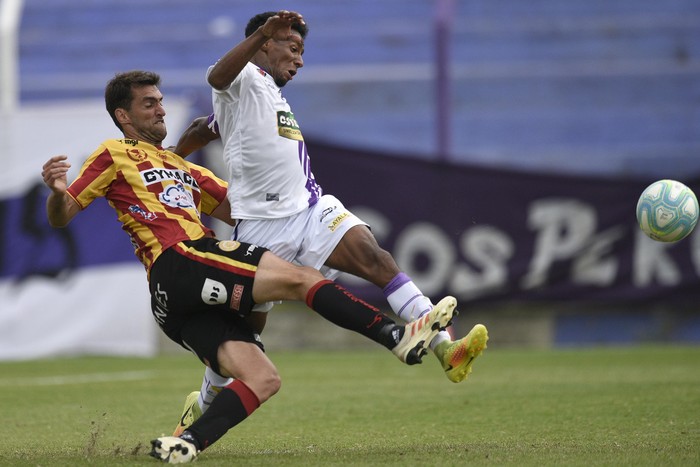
(667, 211)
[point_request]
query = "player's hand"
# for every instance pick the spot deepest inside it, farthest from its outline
(280, 26)
(54, 173)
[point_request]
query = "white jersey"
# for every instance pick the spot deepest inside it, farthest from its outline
(269, 170)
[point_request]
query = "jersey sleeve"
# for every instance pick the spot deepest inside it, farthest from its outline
(213, 125)
(212, 188)
(233, 92)
(95, 177)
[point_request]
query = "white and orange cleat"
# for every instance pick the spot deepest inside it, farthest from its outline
(419, 333)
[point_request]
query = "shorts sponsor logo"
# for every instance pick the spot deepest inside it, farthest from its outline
(236, 297)
(160, 309)
(337, 221)
(327, 212)
(228, 245)
(214, 292)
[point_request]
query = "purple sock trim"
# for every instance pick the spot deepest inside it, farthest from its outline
(395, 283)
(403, 308)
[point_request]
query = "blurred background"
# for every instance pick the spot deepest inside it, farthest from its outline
(497, 148)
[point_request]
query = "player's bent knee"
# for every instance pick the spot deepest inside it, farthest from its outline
(265, 384)
(301, 278)
(308, 275)
(274, 384)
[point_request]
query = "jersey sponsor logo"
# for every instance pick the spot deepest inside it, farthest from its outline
(272, 196)
(214, 292)
(287, 126)
(337, 221)
(149, 216)
(176, 196)
(132, 142)
(250, 250)
(136, 155)
(159, 175)
(228, 245)
(236, 297)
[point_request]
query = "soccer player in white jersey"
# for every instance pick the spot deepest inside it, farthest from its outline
(274, 196)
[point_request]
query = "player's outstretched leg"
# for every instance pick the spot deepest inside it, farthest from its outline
(173, 450)
(457, 357)
(190, 413)
(418, 334)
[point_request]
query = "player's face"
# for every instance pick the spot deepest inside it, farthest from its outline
(285, 58)
(146, 118)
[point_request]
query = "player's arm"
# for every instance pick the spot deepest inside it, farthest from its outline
(223, 212)
(60, 207)
(230, 65)
(195, 137)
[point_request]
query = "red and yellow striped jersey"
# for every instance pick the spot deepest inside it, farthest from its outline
(158, 196)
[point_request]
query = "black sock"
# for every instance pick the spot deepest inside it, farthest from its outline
(229, 408)
(340, 307)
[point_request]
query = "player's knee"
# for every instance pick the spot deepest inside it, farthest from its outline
(274, 384)
(306, 276)
(265, 384)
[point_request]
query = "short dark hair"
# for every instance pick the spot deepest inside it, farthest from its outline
(259, 19)
(118, 90)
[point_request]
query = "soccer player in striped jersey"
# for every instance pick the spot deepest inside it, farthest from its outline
(203, 289)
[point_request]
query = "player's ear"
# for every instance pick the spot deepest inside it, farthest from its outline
(122, 116)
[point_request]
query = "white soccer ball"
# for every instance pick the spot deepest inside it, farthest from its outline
(667, 211)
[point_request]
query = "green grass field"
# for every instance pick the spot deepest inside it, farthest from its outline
(617, 407)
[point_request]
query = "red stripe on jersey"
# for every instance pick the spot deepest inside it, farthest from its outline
(148, 244)
(88, 175)
(212, 192)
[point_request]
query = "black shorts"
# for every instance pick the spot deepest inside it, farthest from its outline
(201, 292)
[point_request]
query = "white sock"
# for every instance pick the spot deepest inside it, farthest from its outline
(212, 384)
(409, 303)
